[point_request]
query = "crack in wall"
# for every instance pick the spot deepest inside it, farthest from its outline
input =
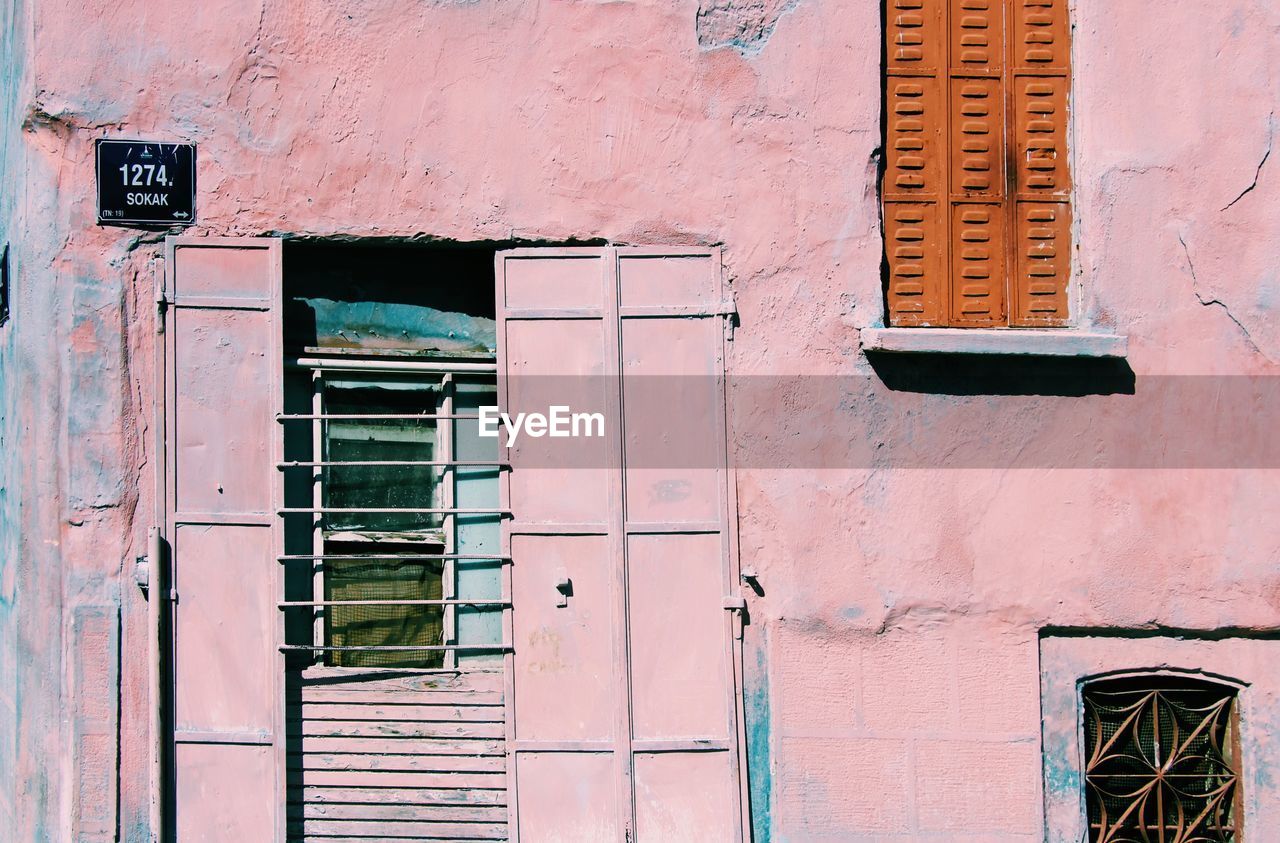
(1271, 135)
(1215, 302)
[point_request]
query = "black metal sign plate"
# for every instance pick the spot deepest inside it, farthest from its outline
(143, 183)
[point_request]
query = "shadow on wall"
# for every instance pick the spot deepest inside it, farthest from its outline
(983, 374)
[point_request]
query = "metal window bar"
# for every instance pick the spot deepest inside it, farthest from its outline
(322, 463)
(288, 417)
(366, 510)
(397, 648)
(302, 604)
(408, 557)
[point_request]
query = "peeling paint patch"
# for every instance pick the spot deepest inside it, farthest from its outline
(745, 25)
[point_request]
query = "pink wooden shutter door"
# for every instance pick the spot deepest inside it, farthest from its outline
(567, 698)
(679, 574)
(623, 711)
(222, 391)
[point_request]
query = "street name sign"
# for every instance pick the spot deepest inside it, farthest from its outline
(146, 183)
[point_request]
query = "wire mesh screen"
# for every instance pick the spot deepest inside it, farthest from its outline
(381, 626)
(1163, 760)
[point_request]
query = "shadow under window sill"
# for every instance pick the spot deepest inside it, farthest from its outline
(1061, 362)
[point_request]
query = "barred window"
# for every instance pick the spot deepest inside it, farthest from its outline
(1163, 760)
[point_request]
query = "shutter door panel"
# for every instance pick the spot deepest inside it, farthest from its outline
(225, 792)
(679, 664)
(567, 705)
(624, 711)
(552, 361)
(568, 797)
(992, 77)
(564, 663)
(678, 562)
(224, 638)
(685, 797)
(222, 389)
(671, 407)
(915, 156)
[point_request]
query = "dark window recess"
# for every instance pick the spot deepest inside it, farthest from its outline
(1163, 760)
(4, 285)
(394, 528)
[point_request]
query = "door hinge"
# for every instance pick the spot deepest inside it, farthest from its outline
(161, 302)
(729, 310)
(146, 568)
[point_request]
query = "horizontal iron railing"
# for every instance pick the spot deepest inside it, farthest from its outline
(396, 648)
(310, 604)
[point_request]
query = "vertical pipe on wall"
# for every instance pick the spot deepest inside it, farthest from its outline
(156, 565)
(155, 594)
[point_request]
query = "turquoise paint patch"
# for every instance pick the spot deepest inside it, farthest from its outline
(758, 728)
(1060, 776)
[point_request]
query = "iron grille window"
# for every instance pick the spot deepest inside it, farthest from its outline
(1163, 760)
(401, 509)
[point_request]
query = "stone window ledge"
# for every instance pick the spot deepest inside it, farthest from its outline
(1045, 342)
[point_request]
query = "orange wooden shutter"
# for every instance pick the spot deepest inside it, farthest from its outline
(1041, 51)
(976, 187)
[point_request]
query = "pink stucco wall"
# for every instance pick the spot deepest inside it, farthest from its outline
(893, 657)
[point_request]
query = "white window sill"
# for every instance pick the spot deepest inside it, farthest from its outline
(1041, 342)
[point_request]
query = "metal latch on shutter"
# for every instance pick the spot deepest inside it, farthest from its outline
(737, 604)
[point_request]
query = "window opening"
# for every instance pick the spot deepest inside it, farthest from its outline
(392, 516)
(1163, 760)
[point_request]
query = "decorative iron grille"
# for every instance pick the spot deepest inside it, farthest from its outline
(1163, 761)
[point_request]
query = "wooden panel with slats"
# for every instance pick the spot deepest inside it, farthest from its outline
(915, 182)
(977, 180)
(390, 754)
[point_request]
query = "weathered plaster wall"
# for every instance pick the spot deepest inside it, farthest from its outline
(902, 606)
(14, 31)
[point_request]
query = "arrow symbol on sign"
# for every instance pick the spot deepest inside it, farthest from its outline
(182, 214)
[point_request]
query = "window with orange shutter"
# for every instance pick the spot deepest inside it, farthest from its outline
(977, 187)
